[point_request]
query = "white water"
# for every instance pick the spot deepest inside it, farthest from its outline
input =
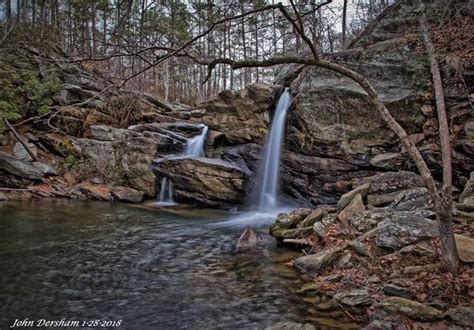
(268, 197)
(195, 145)
(166, 192)
(267, 207)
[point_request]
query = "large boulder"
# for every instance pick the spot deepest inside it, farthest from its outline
(19, 167)
(242, 116)
(203, 181)
(404, 228)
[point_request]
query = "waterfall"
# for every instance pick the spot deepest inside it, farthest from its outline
(267, 207)
(267, 199)
(195, 145)
(166, 192)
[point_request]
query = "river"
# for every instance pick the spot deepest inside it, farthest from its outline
(145, 266)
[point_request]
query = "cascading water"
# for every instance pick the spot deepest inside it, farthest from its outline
(166, 192)
(267, 207)
(195, 146)
(268, 199)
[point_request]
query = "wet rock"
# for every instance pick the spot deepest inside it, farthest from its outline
(22, 154)
(204, 181)
(108, 133)
(461, 315)
(249, 238)
(18, 167)
(354, 297)
(128, 195)
(312, 218)
(282, 234)
(314, 264)
(404, 228)
(292, 219)
(388, 161)
(45, 168)
(410, 308)
(290, 325)
(349, 196)
(398, 288)
(355, 206)
(465, 247)
(134, 160)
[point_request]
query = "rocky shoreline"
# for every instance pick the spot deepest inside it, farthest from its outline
(375, 256)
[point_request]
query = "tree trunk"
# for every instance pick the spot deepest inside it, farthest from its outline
(344, 23)
(444, 203)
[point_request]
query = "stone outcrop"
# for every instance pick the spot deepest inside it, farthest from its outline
(242, 116)
(203, 181)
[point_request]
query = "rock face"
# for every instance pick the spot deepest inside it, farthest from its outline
(203, 181)
(19, 167)
(404, 228)
(410, 308)
(241, 116)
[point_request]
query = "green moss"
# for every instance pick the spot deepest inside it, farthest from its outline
(23, 90)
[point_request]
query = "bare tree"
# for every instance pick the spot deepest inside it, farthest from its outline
(441, 198)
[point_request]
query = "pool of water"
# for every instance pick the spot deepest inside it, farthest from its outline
(148, 267)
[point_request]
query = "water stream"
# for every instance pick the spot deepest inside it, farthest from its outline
(166, 192)
(267, 207)
(268, 197)
(195, 145)
(149, 268)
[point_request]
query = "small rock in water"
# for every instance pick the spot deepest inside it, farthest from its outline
(249, 238)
